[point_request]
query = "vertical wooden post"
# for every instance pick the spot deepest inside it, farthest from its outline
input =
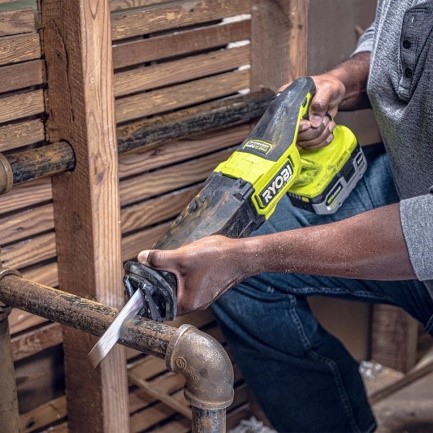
(9, 412)
(279, 38)
(9, 416)
(394, 337)
(80, 103)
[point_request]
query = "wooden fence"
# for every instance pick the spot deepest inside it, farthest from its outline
(166, 55)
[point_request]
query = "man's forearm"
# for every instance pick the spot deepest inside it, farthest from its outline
(353, 73)
(368, 246)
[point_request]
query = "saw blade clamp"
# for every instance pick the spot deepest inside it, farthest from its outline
(158, 289)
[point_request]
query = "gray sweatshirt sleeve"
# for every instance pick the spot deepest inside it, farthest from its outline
(417, 222)
(365, 41)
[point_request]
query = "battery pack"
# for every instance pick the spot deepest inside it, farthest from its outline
(335, 193)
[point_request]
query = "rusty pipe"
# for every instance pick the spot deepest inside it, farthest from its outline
(35, 163)
(23, 166)
(188, 351)
(201, 118)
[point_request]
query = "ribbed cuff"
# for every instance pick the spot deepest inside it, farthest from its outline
(365, 42)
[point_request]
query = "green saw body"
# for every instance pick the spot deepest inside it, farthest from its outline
(243, 191)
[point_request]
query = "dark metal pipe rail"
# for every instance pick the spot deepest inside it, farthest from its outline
(22, 166)
(186, 350)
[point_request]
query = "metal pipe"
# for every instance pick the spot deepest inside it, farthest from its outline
(188, 351)
(206, 421)
(35, 163)
(22, 166)
(201, 118)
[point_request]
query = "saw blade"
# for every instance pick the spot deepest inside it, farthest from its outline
(110, 337)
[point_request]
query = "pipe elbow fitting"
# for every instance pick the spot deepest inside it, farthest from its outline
(205, 365)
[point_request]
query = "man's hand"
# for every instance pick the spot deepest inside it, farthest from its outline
(316, 131)
(204, 269)
(344, 88)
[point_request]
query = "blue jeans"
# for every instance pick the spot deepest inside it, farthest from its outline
(302, 376)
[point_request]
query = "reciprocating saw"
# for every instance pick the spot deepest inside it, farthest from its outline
(243, 191)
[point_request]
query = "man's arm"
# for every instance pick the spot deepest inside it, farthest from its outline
(368, 246)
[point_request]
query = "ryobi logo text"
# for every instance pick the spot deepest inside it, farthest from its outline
(277, 184)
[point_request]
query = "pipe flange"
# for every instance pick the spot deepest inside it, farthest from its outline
(6, 175)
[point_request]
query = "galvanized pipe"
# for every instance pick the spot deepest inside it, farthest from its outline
(9, 415)
(205, 421)
(22, 166)
(188, 351)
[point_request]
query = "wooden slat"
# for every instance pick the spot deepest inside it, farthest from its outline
(173, 16)
(139, 80)
(21, 105)
(20, 321)
(179, 43)
(13, 136)
(46, 274)
(181, 95)
(16, 22)
(36, 340)
(44, 415)
(29, 251)
(153, 211)
(26, 224)
(132, 245)
(155, 391)
(177, 151)
(16, 49)
(171, 178)
(141, 421)
(126, 4)
(21, 75)
(26, 195)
